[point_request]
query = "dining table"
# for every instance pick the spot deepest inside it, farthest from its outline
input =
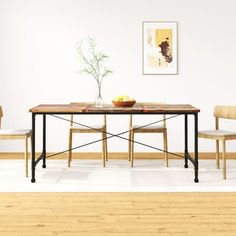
(59, 110)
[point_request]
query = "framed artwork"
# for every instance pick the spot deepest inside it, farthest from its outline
(160, 48)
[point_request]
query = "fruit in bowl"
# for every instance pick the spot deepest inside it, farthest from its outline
(123, 101)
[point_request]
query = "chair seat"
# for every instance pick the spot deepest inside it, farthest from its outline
(92, 128)
(152, 128)
(217, 134)
(15, 132)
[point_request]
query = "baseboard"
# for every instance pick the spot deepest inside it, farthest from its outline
(115, 155)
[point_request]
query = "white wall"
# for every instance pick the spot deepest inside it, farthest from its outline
(39, 64)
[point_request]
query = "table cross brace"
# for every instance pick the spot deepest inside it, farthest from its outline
(114, 135)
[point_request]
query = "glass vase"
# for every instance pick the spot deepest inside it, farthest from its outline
(98, 99)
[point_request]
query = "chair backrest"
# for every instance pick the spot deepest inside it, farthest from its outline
(82, 104)
(149, 104)
(1, 115)
(226, 112)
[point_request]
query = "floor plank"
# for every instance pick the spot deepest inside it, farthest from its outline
(117, 214)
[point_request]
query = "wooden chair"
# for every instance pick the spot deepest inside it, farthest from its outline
(24, 134)
(225, 112)
(102, 129)
(149, 129)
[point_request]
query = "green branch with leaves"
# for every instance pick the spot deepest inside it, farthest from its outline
(93, 62)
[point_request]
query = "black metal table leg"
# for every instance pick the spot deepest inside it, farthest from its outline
(186, 140)
(196, 180)
(44, 141)
(33, 164)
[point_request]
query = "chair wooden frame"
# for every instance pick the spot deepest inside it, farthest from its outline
(102, 130)
(132, 130)
(17, 135)
(223, 112)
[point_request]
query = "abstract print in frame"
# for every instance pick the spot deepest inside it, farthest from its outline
(159, 48)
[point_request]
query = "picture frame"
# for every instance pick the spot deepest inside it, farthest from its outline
(160, 54)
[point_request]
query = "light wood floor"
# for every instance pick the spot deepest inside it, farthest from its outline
(117, 214)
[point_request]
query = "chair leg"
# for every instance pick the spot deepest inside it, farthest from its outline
(30, 153)
(103, 150)
(105, 142)
(30, 156)
(132, 149)
(224, 158)
(165, 148)
(217, 155)
(69, 147)
(26, 156)
(129, 147)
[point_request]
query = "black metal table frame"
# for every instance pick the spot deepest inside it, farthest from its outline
(187, 156)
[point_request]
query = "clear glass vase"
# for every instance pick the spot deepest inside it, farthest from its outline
(98, 99)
